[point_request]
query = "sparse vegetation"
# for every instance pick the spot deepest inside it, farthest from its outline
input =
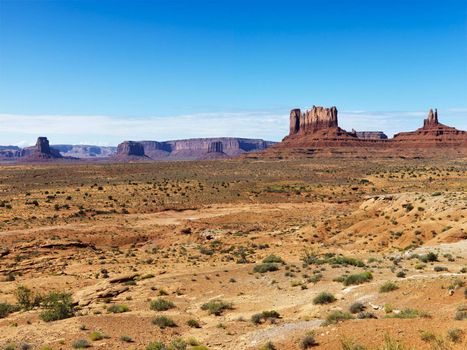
(308, 341)
(324, 298)
(164, 322)
(266, 267)
(216, 307)
(161, 305)
(357, 278)
(388, 287)
(118, 308)
(336, 316)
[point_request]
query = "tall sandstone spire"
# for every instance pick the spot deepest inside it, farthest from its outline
(432, 119)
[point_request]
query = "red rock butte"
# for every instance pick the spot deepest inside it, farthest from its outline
(433, 133)
(318, 128)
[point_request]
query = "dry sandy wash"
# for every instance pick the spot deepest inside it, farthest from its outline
(322, 253)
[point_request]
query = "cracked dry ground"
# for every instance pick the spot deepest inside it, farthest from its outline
(120, 236)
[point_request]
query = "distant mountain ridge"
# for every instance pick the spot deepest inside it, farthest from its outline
(186, 149)
(85, 151)
(191, 149)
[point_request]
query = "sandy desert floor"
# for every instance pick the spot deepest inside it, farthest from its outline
(323, 253)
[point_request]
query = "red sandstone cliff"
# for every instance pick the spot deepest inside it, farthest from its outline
(433, 133)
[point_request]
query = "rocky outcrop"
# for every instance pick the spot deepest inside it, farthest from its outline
(215, 151)
(433, 133)
(130, 149)
(432, 120)
(40, 151)
(203, 148)
(216, 147)
(317, 127)
(318, 130)
(317, 118)
(85, 151)
(370, 135)
(9, 152)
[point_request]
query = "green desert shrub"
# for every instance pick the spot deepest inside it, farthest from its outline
(269, 346)
(96, 335)
(273, 259)
(126, 339)
(308, 341)
(336, 316)
(461, 313)
(265, 316)
(409, 313)
(26, 298)
(216, 307)
(347, 344)
(81, 344)
(356, 307)
(429, 257)
(324, 298)
(164, 322)
(6, 309)
(455, 335)
(156, 346)
(357, 278)
(193, 323)
(344, 260)
(58, 306)
(388, 287)
(266, 267)
(178, 344)
(117, 308)
(161, 305)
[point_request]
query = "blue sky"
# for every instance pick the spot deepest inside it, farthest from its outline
(104, 71)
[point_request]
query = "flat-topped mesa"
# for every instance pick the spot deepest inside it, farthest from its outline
(317, 118)
(432, 120)
(130, 148)
(216, 147)
(370, 135)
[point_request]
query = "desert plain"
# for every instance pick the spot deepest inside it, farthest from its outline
(254, 253)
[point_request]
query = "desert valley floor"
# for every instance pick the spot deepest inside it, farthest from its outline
(329, 253)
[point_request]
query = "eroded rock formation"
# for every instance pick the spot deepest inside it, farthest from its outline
(41, 150)
(216, 147)
(433, 133)
(193, 149)
(318, 129)
(317, 118)
(130, 148)
(370, 135)
(432, 120)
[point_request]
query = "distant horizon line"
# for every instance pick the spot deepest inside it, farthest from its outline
(22, 130)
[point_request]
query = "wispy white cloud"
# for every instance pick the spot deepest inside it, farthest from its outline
(103, 130)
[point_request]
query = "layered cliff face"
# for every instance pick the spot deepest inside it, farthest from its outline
(317, 127)
(130, 149)
(41, 150)
(317, 118)
(317, 130)
(9, 152)
(370, 135)
(433, 133)
(216, 147)
(194, 149)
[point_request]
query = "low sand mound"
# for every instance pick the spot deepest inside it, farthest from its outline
(402, 220)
